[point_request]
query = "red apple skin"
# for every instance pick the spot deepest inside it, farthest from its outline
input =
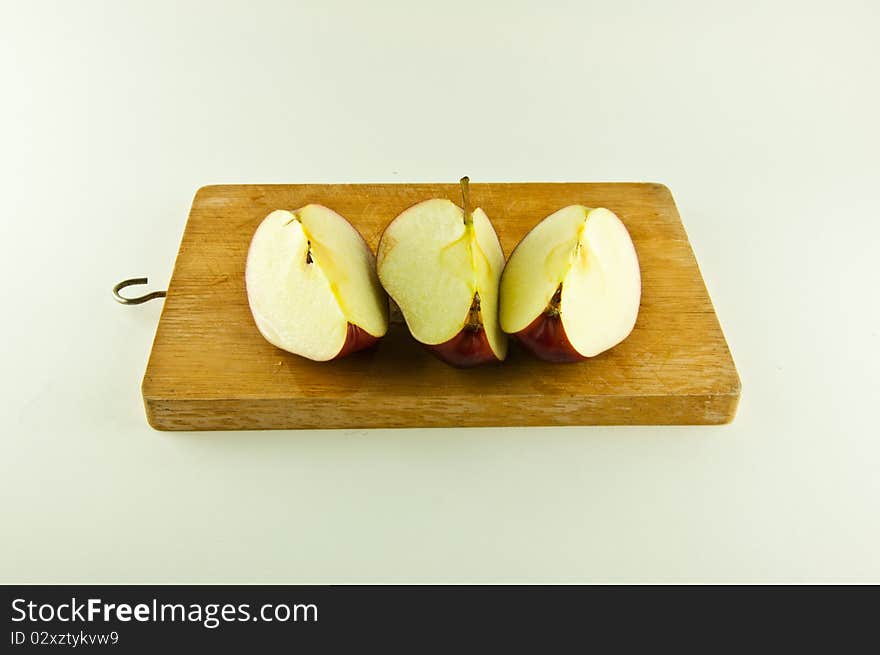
(546, 338)
(470, 347)
(356, 339)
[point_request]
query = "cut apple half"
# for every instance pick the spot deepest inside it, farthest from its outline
(312, 285)
(572, 286)
(441, 265)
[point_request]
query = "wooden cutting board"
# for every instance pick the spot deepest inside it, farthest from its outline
(211, 370)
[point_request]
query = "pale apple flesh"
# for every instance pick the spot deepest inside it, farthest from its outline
(572, 287)
(441, 266)
(312, 286)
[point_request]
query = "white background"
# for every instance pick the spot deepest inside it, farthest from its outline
(762, 117)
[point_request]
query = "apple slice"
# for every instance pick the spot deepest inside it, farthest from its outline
(312, 285)
(572, 286)
(441, 264)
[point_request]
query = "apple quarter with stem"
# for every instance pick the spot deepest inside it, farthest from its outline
(312, 285)
(572, 287)
(441, 264)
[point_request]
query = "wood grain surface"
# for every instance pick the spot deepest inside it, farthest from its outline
(211, 370)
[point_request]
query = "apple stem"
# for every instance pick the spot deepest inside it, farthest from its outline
(466, 199)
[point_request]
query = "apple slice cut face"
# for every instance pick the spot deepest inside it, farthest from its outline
(432, 265)
(589, 253)
(312, 285)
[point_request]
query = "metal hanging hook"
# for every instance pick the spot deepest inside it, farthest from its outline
(139, 299)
